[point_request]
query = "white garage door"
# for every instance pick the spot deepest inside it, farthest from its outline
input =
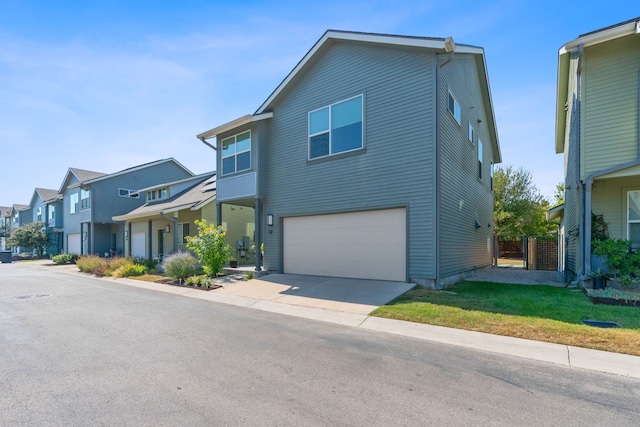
(138, 245)
(366, 245)
(73, 243)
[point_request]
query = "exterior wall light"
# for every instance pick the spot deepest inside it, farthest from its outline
(167, 229)
(270, 220)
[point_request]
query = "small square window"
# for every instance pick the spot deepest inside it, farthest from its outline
(454, 109)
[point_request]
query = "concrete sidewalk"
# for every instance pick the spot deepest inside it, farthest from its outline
(301, 296)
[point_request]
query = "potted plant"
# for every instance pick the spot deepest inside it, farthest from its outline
(599, 279)
(233, 263)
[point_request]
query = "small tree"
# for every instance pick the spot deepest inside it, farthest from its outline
(210, 247)
(33, 236)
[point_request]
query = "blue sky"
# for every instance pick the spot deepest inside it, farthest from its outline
(112, 84)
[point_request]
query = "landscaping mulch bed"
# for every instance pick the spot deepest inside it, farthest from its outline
(626, 298)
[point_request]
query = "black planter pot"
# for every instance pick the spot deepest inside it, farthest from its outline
(233, 264)
(599, 282)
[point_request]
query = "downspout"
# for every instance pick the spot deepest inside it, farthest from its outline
(218, 205)
(175, 232)
(437, 173)
(581, 187)
(204, 141)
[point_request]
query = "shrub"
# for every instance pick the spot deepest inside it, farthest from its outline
(210, 247)
(149, 263)
(114, 264)
(92, 264)
(64, 258)
(622, 262)
(129, 269)
(180, 265)
(198, 281)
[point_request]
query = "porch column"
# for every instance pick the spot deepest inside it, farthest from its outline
(258, 232)
(218, 214)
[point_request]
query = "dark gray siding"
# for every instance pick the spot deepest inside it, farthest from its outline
(71, 222)
(464, 198)
(396, 168)
(105, 202)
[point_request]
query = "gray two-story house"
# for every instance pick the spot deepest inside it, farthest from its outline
(92, 199)
(372, 159)
(43, 209)
(598, 133)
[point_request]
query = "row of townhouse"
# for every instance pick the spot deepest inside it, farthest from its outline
(374, 158)
(144, 211)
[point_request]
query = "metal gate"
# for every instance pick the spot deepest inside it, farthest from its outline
(526, 252)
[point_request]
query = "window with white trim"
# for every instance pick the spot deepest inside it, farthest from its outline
(84, 199)
(633, 217)
(131, 194)
(454, 108)
(157, 194)
(236, 153)
(336, 128)
(39, 214)
(479, 159)
(491, 176)
(183, 232)
(471, 133)
(52, 213)
(73, 203)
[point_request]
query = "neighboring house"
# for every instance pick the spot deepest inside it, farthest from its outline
(5, 221)
(597, 130)
(92, 199)
(40, 206)
(372, 159)
(19, 215)
(160, 226)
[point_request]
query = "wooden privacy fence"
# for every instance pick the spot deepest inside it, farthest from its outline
(528, 252)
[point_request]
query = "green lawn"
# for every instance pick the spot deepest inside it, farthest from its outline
(538, 312)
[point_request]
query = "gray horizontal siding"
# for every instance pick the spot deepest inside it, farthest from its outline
(464, 199)
(394, 169)
(610, 103)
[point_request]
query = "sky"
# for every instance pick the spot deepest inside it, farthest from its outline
(108, 85)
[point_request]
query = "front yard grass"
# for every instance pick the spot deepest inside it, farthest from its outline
(536, 312)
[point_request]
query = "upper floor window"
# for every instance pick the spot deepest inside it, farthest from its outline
(39, 214)
(491, 176)
(84, 199)
(479, 159)
(73, 205)
(336, 128)
(471, 133)
(52, 213)
(157, 194)
(125, 192)
(236, 153)
(454, 108)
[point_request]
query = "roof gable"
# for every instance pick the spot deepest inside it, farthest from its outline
(332, 36)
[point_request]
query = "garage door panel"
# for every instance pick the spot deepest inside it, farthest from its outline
(369, 245)
(74, 242)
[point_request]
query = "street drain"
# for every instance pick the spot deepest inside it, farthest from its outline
(602, 324)
(32, 296)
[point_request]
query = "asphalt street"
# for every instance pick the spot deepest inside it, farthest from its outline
(78, 351)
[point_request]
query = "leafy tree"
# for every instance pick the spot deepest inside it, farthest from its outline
(558, 196)
(519, 208)
(210, 247)
(33, 236)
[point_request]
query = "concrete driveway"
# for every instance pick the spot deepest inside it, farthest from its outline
(330, 293)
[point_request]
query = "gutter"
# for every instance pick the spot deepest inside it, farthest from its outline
(204, 141)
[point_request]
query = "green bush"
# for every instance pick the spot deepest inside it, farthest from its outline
(92, 264)
(622, 262)
(180, 265)
(210, 247)
(149, 263)
(198, 281)
(114, 264)
(63, 258)
(129, 269)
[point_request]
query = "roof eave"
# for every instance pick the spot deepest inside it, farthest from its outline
(234, 124)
